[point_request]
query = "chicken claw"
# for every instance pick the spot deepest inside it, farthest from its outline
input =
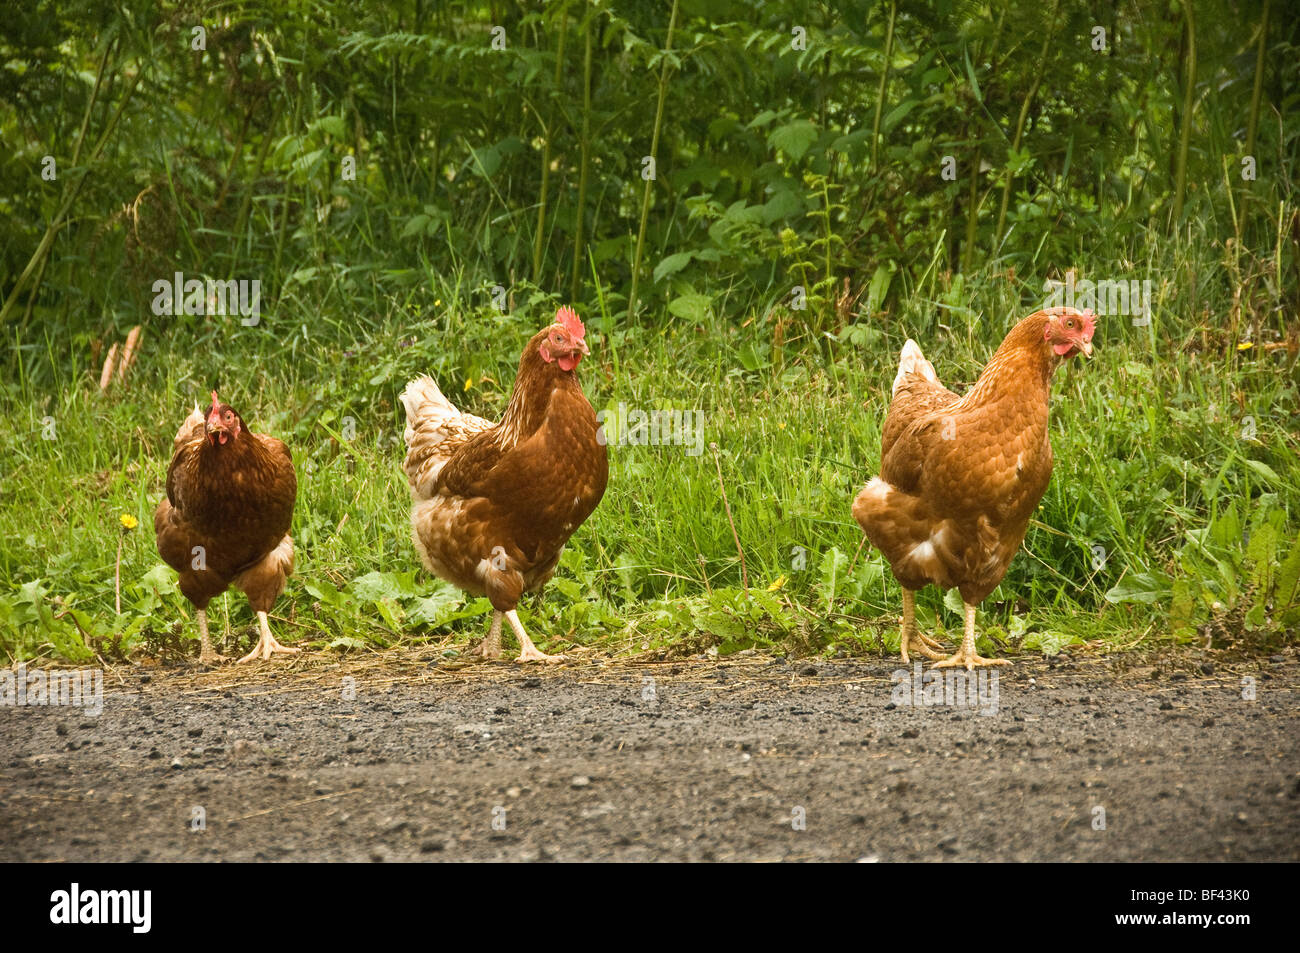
(532, 653)
(527, 651)
(966, 656)
(909, 637)
(969, 662)
(921, 644)
(266, 645)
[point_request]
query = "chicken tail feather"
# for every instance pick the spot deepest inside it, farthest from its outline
(912, 361)
(187, 430)
(435, 429)
(423, 402)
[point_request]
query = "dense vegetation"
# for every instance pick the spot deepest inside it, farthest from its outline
(752, 209)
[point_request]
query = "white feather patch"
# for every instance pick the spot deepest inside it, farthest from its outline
(878, 489)
(912, 361)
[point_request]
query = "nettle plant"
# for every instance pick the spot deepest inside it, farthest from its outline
(1236, 579)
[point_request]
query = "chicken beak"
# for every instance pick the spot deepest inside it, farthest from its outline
(1086, 348)
(582, 346)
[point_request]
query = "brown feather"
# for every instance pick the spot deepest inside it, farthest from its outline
(236, 502)
(961, 476)
(494, 504)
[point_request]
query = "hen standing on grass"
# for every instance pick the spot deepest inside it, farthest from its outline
(960, 477)
(494, 504)
(230, 496)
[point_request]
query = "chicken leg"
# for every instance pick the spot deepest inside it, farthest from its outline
(206, 655)
(965, 656)
(924, 644)
(490, 647)
(266, 645)
(527, 651)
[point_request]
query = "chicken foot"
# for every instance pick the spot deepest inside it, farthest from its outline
(966, 656)
(924, 644)
(527, 651)
(266, 645)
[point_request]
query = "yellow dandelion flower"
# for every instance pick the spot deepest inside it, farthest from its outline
(129, 521)
(778, 584)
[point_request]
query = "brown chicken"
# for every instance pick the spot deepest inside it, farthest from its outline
(960, 476)
(494, 504)
(230, 496)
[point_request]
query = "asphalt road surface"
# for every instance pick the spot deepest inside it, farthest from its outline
(403, 757)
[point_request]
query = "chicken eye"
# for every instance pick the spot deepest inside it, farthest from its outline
(1070, 324)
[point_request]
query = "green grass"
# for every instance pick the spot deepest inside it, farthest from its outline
(1154, 464)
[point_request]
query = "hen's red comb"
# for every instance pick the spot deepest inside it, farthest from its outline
(216, 402)
(1089, 324)
(567, 317)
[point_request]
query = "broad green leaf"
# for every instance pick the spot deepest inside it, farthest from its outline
(567, 588)
(897, 115)
(752, 357)
(485, 161)
(1264, 470)
(782, 204)
(436, 609)
(1140, 587)
(415, 225)
(673, 264)
(390, 612)
(793, 138)
(1288, 577)
(347, 642)
(374, 586)
(331, 125)
(325, 591)
(692, 307)
(879, 287)
(1050, 641)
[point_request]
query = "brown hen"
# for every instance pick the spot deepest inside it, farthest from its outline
(225, 521)
(494, 504)
(960, 476)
